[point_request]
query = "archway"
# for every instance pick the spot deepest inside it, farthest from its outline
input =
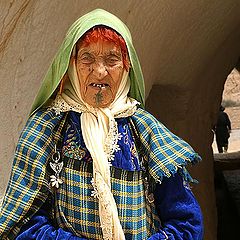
(186, 51)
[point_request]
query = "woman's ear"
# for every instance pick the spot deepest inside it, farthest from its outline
(128, 64)
(63, 80)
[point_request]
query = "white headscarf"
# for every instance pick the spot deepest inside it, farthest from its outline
(100, 134)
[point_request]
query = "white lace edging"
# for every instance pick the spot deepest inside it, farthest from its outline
(101, 191)
(60, 105)
(111, 142)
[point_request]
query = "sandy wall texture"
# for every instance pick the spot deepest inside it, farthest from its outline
(186, 49)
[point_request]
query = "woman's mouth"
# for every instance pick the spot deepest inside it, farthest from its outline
(99, 85)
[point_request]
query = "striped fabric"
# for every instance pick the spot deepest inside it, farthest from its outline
(165, 153)
(77, 210)
(29, 187)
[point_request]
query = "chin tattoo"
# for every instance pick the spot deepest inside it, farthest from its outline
(98, 98)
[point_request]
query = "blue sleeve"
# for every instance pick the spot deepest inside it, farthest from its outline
(179, 211)
(40, 228)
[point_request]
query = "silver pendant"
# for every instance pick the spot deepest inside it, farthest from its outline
(57, 167)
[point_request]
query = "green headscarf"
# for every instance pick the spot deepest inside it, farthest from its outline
(60, 63)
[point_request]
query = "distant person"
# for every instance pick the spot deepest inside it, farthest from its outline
(222, 130)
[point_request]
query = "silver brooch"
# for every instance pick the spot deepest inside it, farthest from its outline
(56, 166)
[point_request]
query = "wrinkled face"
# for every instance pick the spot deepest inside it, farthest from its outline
(100, 68)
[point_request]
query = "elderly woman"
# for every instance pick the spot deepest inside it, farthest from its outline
(90, 162)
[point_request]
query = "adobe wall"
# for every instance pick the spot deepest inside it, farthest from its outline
(186, 52)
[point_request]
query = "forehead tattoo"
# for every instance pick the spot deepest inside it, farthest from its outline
(95, 51)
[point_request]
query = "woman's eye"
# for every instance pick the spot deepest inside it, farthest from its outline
(86, 59)
(112, 60)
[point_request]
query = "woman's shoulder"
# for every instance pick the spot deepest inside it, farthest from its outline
(41, 123)
(144, 116)
(44, 116)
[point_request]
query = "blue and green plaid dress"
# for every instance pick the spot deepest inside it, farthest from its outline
(146, 146)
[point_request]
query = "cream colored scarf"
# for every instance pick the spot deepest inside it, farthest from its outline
(100, 134)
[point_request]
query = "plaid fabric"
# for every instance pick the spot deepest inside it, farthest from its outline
(28, 187)
(164, 152)
(77, 210)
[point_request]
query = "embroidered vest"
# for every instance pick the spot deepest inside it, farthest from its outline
(77, 210)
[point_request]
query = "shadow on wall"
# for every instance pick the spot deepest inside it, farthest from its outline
(227, 189)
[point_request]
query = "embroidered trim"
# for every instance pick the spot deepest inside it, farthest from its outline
(95, 191)
(72, 150)
(101, 192)
(60, 105)
(129, 111)
(111, 142)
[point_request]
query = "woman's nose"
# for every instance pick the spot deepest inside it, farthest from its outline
(99, 70)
